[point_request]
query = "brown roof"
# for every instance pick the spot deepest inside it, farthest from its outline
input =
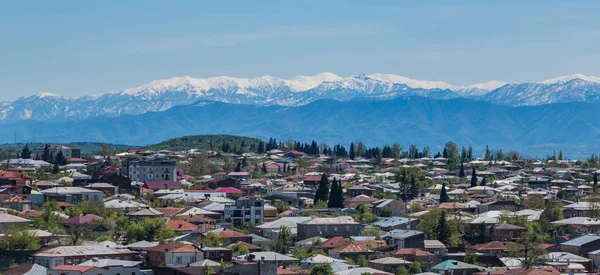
(360, 246)
(228, 233)
(283, 271)
(412, 251)
(451, 205)
(534, 270)
(169, 211)
(249, 246)
(361, 199)
(30, 214)
(334, 242)
(17, 199)
(495, 245)
(180, 225)
(173, 247)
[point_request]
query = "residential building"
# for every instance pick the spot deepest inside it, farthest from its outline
(8, 221)
(152, 170)
(415, 254)
(581, 245)
(173, 254)
(328, 227)
(71, 194)
(405, 238)
(67, 152)
(391, 223)
(389, 264)
(246, 210)
(100, 267)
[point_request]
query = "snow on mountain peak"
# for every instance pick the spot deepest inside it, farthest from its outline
(303, 83)
(45, 94)
(567, 78)
(413, 83)
(488, 86)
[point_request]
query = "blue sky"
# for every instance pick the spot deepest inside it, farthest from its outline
(90, 47)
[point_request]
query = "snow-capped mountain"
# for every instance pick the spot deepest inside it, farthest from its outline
(160, 95)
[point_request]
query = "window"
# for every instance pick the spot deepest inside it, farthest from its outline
(57, 262)
(192, 259)
(178, 260)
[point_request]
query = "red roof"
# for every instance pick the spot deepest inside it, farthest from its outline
(157, 185)
(283, 271)
(228, 233)
(72, 268)
(412, 251)
(180, 225)
(334, 242)
(312, 178)
(298, 153)
(30, 214)
(18, 199)
(495, 245)
(65, 204)
(534, 270)
(173, 247)
(240, 174)
(249, 246)
(81, 219)
(229, 190)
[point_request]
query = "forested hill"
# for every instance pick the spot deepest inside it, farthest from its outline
(204, 142)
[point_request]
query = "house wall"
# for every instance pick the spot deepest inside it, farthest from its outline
(51, 262)
(153, 170)
(182, 258)
(306, 231)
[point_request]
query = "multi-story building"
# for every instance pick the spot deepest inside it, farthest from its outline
(248, 209)
(152, 170)
(67, 152)
(344, 226)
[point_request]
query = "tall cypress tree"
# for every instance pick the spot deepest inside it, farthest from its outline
(25, 152)
(238, 168)
(444, 194)
(474, 178)
(595, 181)
(333, 195)
(483, 181)
(352, 152)
(322, 193)
(461, 174)
(442, 230)
(46, 154)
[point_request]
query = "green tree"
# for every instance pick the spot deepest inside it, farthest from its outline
(595, 185)
(238, 249)
(386, 212)
(474, 178)
(322, 193)
(300, 253)
(25, 152)
(238, 167)
(284, 240)
(46, 154)
(149, 230)
(415, 268)
(210, 239)
(444, 194)
(527, 247)
(208, 270)
(352, 151)
(20, 239)
(321, 269)
(370, 230)
(362, 261)
(471, 258)
(443, 231)
(401, 270)
(461, 173)
(60, 158)
(484, 181)
(336, 199)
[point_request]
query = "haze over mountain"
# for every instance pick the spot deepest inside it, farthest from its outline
(163, 94)
(424, 121)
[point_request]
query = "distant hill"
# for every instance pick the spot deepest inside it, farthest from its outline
(202, 142)
(85, 147)
(572, 127)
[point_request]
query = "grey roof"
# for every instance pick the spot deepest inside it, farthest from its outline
(205, 262)
(566, 257)
(143, 244)
(361, 270)
(270, 256)
(336, 220)
(402, 234)
(432, 244)
(68, 190)
(285, 221)
(579, 241)
(110, 262)
(393, 221)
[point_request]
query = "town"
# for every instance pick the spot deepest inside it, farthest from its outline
(219, 204)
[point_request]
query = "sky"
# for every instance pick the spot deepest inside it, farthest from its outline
(74, 48)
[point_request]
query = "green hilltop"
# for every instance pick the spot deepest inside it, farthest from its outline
(202, 142)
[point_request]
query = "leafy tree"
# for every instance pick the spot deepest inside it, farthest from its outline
(370, 230)
(208, 270)
(322, 193)
(20, 238)
(362, 208)
(534, 201)
(527, 246)
(444, 194)
(415, 268)
(352, 152)
(461, 173)
(322, 269)
(474, 178)
(210, 239)
(49, 220)
(25, 152)
(300, 253)
(238, 168)
(239, 249)
(281, 206)
(362, 261)
(55, 169)
(401, 270)
(443, 231)
(386, 212)
(471, 258)
(149, 230)
(283, 241)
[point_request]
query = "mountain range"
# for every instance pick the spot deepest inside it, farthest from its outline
(572, 127)
(161, 95)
